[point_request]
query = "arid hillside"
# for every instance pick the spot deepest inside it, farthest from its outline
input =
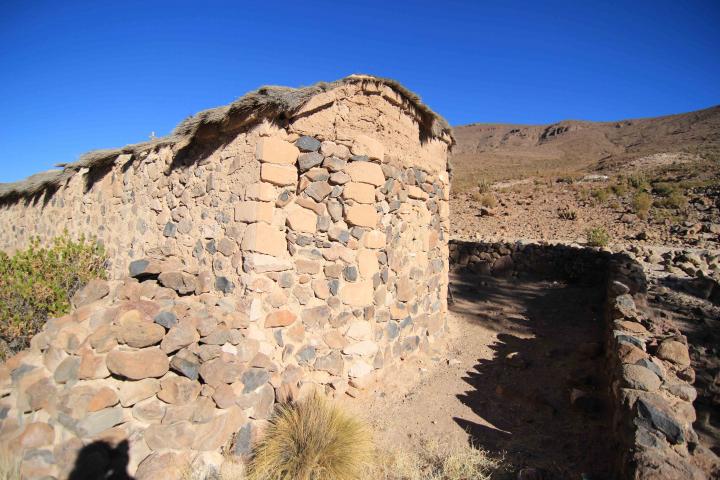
(501, 151)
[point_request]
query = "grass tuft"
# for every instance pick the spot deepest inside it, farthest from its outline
(597, 237)
(435, 462)
(312, 439)
(9, 466)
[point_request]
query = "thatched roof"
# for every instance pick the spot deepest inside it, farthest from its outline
(268, 102)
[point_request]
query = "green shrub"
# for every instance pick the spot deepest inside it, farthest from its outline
(664, 189)
(675, 200)
(642, 203)
(37, 283)
(597, 237)
(312, 440)
(639, 182)
(600, 195)
(620, 189)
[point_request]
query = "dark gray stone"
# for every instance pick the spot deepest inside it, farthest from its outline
(166, 319)
(243, 441)
(306, 161)
(306, 354)
(224, 284)
(186, 363)
(334, 286)
(170, 229)
(393, 330)
(307, 144)
(211, 247)
(254, 378)
(350, 273)
(407, 321)
(137, 267)
(671, 428)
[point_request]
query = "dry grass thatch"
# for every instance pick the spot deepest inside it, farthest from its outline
(269, 102)
(312, 440)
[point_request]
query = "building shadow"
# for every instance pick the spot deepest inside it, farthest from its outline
(542, 396)
(101, 461)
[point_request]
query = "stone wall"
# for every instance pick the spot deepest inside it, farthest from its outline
(647, 361)
(652, 392)
(301, 252)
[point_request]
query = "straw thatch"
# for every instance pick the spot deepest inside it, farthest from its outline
(269, 102)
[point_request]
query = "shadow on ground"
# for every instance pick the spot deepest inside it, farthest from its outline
(548, 352)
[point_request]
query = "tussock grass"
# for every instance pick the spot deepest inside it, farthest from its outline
(312, 439)
(642, 203)
(597, 237)
(435, 462)
(9, 466)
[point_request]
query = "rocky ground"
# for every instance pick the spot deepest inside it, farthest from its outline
(558, 211)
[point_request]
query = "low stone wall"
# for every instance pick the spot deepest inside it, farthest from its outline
(652, 392)
(562, 262)
(647, 361)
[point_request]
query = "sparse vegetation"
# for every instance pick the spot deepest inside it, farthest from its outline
(37, 283)
(483, 185)
(600, 195)
(639, 182)
(488, 200)
(675, 200)
(9, 466)
(312, 440)
(597, 237)
(435, 462)
(641, 204)
(567, 214)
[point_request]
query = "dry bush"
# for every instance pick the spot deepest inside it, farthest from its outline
(567, 214)
(435, 462)
(675, 200)
(483, 185)
(37, 283)
(600, 195)
(597, 237)
(488, 200)
(312, 440)
(642, 203)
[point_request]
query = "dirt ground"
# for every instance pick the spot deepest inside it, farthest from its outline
(517, 352)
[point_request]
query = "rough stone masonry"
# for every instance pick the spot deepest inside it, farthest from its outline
(294, 239)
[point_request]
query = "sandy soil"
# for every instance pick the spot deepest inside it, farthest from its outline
(518, 350)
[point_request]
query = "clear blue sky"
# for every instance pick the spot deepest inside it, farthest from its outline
(75, 76)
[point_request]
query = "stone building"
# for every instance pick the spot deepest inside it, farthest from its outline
(294, 239)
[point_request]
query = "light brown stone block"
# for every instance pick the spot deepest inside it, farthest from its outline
(275, 150)
(360, 192)
(252, 211)
(361, 215)
(365, 172)
(282, 175)
(264, 238)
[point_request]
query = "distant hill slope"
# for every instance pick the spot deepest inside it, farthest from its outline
(501, 151)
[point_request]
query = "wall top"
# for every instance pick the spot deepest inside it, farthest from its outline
(274, 103)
